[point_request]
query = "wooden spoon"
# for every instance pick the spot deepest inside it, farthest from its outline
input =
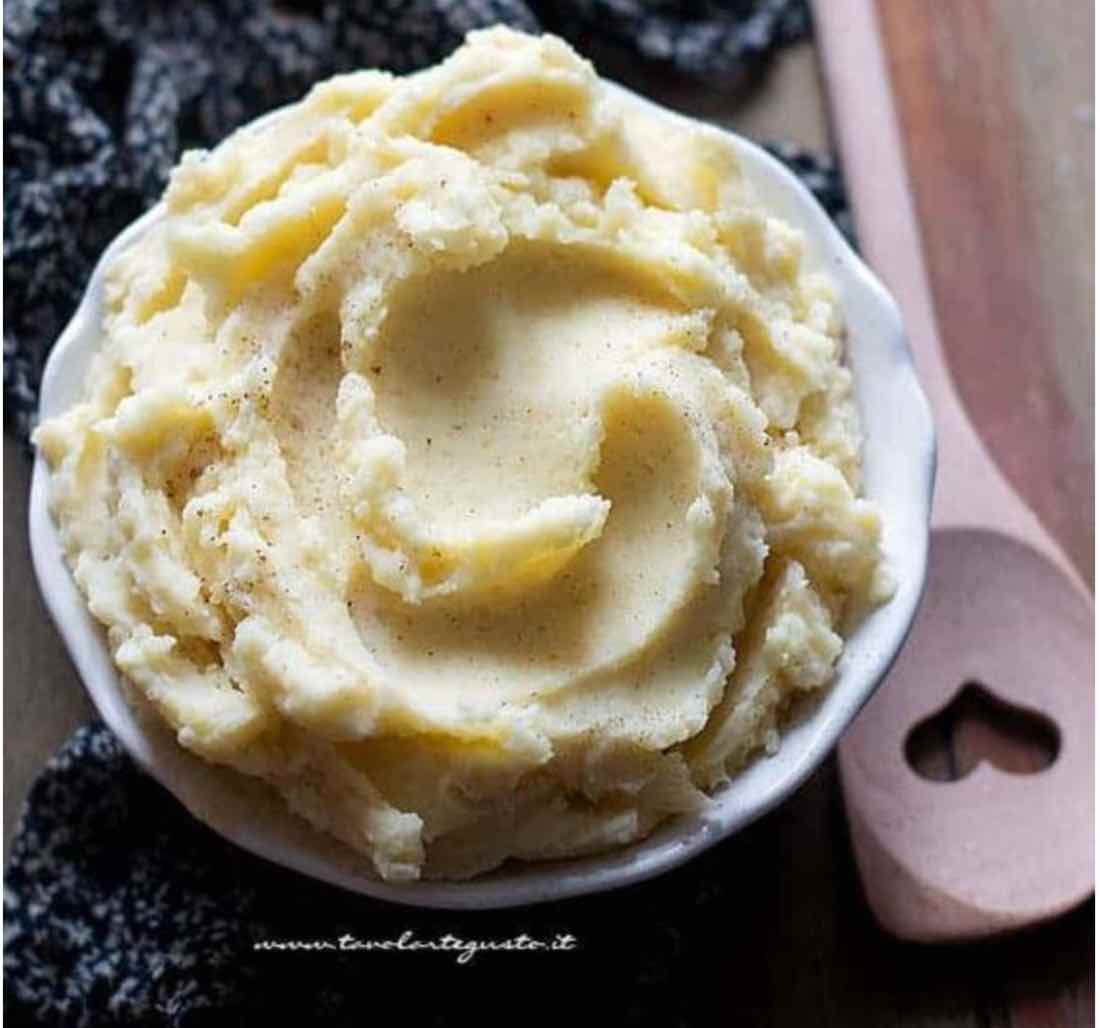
(1003, 607)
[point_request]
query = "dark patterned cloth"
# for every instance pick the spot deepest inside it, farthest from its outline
(120, 909)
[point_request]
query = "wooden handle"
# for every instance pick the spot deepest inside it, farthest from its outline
(993, 850)
(970, 490)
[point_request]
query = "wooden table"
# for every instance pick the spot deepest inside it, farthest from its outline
(994, 98)
(800, 947)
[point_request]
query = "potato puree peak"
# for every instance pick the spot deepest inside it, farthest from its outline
(469, 455)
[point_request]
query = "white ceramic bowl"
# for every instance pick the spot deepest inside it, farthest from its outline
(899, 461)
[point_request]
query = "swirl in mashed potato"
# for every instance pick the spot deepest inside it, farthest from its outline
(469, 456)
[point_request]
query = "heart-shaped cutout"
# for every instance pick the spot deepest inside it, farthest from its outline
(996, 849)
(976, 726)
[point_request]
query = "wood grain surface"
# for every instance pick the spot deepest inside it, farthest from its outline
(994, 98)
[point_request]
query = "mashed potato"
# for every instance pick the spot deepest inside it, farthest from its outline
(469, 456)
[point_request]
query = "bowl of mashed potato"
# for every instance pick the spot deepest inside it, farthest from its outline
(482, 486)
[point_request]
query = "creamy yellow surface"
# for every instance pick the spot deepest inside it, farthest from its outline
(470, 456)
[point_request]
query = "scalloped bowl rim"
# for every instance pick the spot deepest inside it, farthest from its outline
(899, 465)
